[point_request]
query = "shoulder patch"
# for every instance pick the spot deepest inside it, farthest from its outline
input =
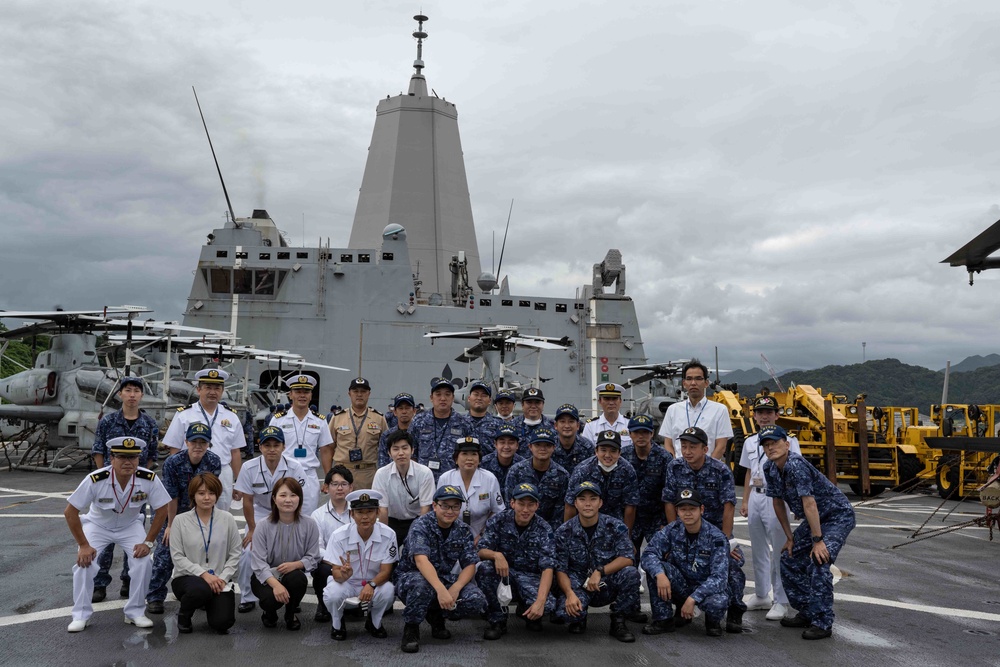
(145, 474)
(375, 411)
(100, 475)
(339, 412)
(279, 415)
(183, 408)
(319, 414)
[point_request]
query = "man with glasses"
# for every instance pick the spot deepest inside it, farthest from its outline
(697, 411)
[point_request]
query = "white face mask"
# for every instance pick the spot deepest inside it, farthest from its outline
(608, 468)
(532, 422)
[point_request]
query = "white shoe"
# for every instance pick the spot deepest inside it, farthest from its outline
(78, 626)
(139, 622)
(777, 612)
(754, 603)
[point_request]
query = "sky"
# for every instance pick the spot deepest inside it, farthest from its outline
(781, 177)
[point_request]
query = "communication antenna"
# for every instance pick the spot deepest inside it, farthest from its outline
(770, 371)
(504, 244)
(217, 168)
(420, 36)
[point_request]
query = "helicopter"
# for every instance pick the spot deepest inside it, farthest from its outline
(664, 388)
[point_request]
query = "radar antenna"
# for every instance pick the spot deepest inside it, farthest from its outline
(217, 168)
(420, 35)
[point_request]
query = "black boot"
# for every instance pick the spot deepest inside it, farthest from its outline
(377, 633)
(411, 638)
(659, 627)
(100, 592)
(126, 587)
(322, 614)
(555, 620)
(495, 631)
(813, 632)
(619, 630)
(338, 634)
(734, 621)
(713, 628)
(797, 621)
(184, 624)
(436, 619)
(638, 616)
(578, 628)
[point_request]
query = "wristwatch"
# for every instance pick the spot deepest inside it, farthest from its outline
(372, 584)
(601, 570)
(817, 540)
(149, 545)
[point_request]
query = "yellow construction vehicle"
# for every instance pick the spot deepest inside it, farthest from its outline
(969, 448)
(901, 426)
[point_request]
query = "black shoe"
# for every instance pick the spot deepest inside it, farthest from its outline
(619, 630)
(495, 631)
(713, 628)
(154, 607)
(411, 638)
(269, 619)
(338, 634)
(555, 620)
(659, 627)
(533, 626)
(438, 628)
(246, 607)
(680, 621)
(100, 592)
(377, 633)
(322, 614)
(123, 593)
(797, 621)
(734, 621)
(812, 632)
(637, 617)
(184, 624)
(578, 628)
(292, 622)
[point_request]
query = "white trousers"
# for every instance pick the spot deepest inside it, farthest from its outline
(766, 540)
(226, 477)
(335, 595)
(310, 492)
(139, 569)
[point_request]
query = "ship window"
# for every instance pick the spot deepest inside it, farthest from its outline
(387, 256)
(284, 255)
(524, 303)
(364, 258)
(263, 281)
(604, 331)
(347, 258)
(242, 281)
(220, 281)
(264, 255)
(325, 256)
(486, 302)
(281, 278)
(222, 253)
(301, 255)
(577, 306)
(560, 307)
(242, 255)
(540, 305)
(506, 302)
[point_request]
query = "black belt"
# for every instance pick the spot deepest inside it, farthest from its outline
(759, 489)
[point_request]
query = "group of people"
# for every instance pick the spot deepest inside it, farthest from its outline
(458, 515)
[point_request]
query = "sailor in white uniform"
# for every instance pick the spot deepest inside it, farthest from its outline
(227, 430)
(307, 437)
(609, 395)
(115, 495)
(255, 483)
(361, 556)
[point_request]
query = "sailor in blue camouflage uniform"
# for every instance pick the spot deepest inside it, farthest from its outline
(595, 566)
(439, 428)
(531, 418)
(503, 402)
(178, 471)
(482, 424)
(404, 407)
(517, 545)
(426, 580)
(813, 547)
(549, 477)
(128, 422)
(571, 447)
(713, 481)
(615, 476)
(503, 459)
(650, 464)
(687, 564)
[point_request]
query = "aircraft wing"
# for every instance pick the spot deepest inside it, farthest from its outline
(536, 343)
(485, 332)
(153, 325)
(974, 254)
(65, 314)
(33, 413)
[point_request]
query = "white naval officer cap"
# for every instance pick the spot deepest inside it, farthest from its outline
(212, 376)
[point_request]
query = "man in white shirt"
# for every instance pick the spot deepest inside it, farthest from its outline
(610, 397)
(406, 487)
(767, 537)
(710, 416)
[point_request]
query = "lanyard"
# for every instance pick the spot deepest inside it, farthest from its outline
(687, 404)
(300, 439)
(211, 422)
(402, 478)
(128, 495)
(364, 570)
(330, 510)
(211, 525)
(438, 437)
(356, 427)
(278, 473)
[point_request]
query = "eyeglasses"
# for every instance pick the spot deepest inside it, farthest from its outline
(694, 379)
(454, 509)
(340, 485)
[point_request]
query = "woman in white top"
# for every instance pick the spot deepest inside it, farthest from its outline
(480, 487)
(205, 547)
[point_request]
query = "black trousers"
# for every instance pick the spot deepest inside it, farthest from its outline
(320, 577)
(296, 582)
(401, 528)
(195, 594)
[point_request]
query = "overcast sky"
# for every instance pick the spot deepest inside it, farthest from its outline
(781, 177)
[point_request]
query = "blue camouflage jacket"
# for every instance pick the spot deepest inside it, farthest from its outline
(704, 561)
(531, 551)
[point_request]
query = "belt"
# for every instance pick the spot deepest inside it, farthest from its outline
(759, 489)
(358, 466)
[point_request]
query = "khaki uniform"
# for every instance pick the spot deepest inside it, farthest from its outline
(355, 443)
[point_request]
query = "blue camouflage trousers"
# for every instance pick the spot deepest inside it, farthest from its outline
(620, 590)
(523, 585)
(419, 597)
(737, 581)
(163, 567)
(104, 560)
(810, 586)
(681, 589)
(644, 529)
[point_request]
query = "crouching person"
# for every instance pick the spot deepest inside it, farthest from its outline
(594, 565)
(426, 579)
(360, 556)
(687, 565)
(519, 547)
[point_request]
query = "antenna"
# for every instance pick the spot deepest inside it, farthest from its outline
(419, 33)
(504, 244)
(716, 364)
(770, 371)
(217, 168)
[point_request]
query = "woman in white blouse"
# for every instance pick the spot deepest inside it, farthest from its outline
(480, 487)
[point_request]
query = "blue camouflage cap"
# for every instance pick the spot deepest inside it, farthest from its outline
(526, 490)
(404, 398)
(504, 395)
(130, 380)
(442, 383)
(641, 423)
(587, 485)
(542, 435)
(508, 430)
(567, 409)
(272, 433)
(772, 433)
(479, 384)
(198, 431)
(449, 492)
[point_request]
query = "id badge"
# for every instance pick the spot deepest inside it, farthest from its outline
(300, 452)
(355, 455)
(757, 481)
(467, 516)
(434, 464)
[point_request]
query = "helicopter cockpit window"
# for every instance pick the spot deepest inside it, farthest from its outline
(220, 281)
(242, 281)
